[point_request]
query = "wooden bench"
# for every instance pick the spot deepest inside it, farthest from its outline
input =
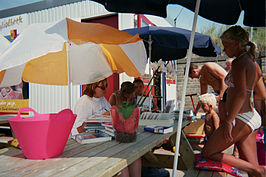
(166, 160)
(194, 172)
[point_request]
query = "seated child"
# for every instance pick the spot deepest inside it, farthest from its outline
(208, 102)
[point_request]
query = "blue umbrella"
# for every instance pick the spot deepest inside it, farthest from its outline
(171, 43)
(221, 11)
(228, 11)
(153, 7)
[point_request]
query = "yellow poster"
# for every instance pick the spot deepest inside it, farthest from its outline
(13, 106)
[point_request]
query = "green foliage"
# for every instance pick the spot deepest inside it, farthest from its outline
(216, 31)
(258, 37)
(126, 109)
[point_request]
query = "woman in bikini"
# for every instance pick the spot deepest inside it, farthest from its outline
(242, 120)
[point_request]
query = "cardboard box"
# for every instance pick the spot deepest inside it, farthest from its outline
(196, 127)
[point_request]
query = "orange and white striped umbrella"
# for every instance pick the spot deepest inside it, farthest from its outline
(4, 44)
(94, 51)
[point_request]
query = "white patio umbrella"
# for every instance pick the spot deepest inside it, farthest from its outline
(4, 43)
(68, 52)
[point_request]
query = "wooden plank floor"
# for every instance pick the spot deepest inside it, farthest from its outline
(193, 172)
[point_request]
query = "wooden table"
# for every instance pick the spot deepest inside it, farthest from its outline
(97, 159)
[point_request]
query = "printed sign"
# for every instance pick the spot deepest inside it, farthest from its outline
(13, 106)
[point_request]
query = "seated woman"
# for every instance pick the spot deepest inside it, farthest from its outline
(127, 94)
(91, 103)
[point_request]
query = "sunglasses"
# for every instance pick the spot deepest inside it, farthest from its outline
(102, 87)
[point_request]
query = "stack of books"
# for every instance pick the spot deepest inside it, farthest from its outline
(95, 131)
(86, 138)
(93, 127)
(108, 128)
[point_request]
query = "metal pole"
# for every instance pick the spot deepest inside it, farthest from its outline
(162, 92)
(176, 89)
(178, 133)
(68, 75)
(251, 34)
(150, 42)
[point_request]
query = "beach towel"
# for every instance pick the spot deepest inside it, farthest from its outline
(261, 148)
(205, 164)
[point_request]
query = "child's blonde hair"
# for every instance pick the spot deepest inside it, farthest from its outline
(208, 99)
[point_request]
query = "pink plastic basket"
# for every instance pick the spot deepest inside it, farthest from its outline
(43, 135)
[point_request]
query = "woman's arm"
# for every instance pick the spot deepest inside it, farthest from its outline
(216, 121)
(83, 109)
(112, 99)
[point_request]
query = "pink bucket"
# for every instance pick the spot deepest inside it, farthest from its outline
(43, 135)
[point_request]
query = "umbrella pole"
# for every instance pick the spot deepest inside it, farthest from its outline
(150, 42)
(176, 89)
(68, 75)
(178, 133)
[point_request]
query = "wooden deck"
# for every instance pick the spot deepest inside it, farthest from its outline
(194, 172)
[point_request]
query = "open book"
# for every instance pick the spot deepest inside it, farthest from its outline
(99, 118)
(159, 119)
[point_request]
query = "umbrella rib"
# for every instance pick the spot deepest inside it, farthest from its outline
(240, 6)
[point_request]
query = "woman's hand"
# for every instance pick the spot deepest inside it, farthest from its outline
(218, 98)
(227, 127)
(81, 128)
(107, 113)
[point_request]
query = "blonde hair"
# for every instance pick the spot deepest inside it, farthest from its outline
(237, 33)
(208, 99)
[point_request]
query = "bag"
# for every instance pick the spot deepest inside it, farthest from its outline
(43, 135)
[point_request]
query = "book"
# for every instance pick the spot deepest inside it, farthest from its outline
(86, 138)
(99, 118)
(107, 124)
(93, 126)
(158, 129)
(108, 128)
(110, 133)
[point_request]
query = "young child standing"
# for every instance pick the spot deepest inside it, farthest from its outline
(208, 104)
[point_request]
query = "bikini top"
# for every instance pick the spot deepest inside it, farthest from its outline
(229, 80)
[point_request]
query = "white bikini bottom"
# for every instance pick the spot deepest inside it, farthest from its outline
(251, 118)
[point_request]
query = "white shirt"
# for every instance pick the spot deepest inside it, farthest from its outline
(87, 106)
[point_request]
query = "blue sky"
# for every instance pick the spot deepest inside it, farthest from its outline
(185, 18)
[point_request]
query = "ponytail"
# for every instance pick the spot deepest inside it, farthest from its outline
(252, 50)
